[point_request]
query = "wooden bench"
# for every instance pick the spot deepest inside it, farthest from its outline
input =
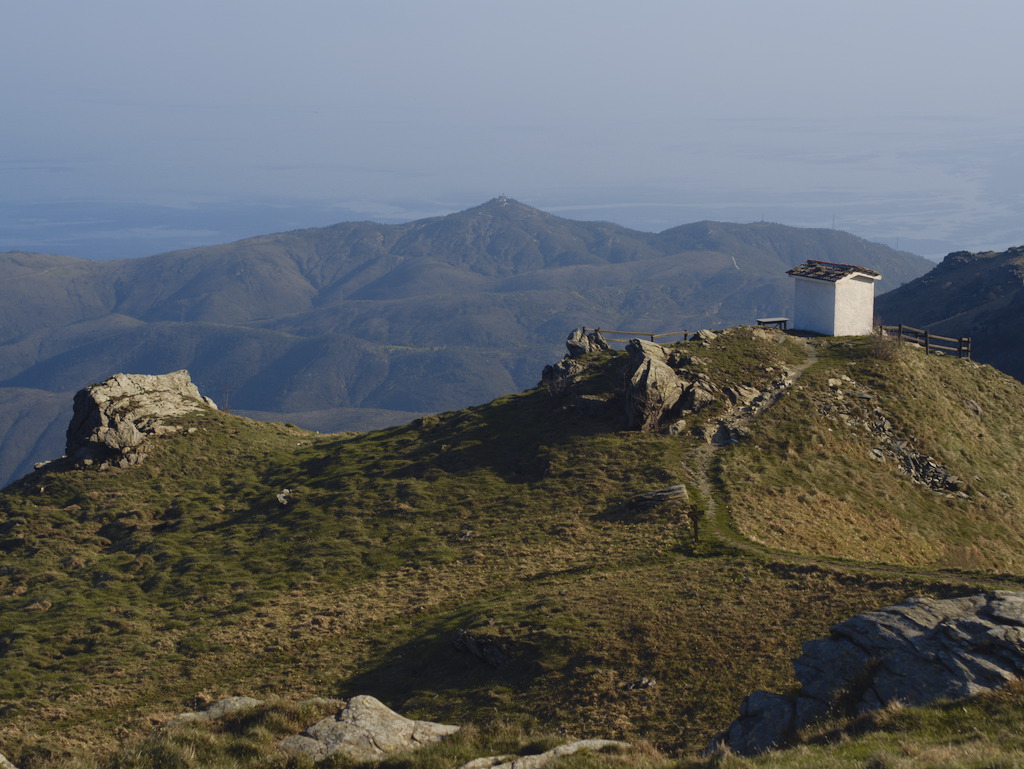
(776, 322)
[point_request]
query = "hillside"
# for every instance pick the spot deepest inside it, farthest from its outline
(362, 325)
(131, 595)
(975, 295)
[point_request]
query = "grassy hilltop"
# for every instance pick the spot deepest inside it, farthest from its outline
(129, 596)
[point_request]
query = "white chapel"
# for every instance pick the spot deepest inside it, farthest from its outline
(833, 299)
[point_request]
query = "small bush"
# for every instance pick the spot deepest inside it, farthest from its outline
(885, 347)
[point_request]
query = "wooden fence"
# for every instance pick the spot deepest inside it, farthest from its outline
(929, 341)
(627, 335)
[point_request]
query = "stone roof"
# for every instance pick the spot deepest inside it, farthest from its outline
(830, 271)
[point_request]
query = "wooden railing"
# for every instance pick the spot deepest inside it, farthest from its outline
(929, 341)
(686, 335)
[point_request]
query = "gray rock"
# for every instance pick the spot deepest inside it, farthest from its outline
(741, 395)
(112, 420)
(366, 730)
(653, 392)
(539, 760)
(676, 493)
(580, 342)
(483, 648)
(699, 394)
(229, 706)
(913, 653)
(640, 350)
(301, 745)
(5, 764)
(765, 722)
(558, 377)
(220, 709)
(488, 762)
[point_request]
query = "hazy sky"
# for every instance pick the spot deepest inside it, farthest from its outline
(133, 126)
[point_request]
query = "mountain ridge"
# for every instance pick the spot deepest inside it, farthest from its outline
(379, 317)
(977, 295)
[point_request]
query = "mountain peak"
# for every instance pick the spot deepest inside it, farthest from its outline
(504, 206)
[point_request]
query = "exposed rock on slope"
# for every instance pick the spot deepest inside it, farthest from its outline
(654, 389)
(667, 390)
(366, 730)
(892, 445)
(112, 419)
(915, 652)
(542, 759)
(580, 342)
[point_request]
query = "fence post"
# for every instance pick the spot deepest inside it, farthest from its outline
(899, 333)
(926, 347)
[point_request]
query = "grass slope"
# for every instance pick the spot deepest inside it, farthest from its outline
(128, 596)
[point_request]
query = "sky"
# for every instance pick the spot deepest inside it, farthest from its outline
(130, 128)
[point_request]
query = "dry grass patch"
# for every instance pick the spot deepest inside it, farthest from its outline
(808, 480)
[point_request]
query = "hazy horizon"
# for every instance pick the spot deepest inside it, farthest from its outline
(132, 129)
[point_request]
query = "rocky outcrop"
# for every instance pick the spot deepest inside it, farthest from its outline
(913, 653)
(113, 420)
(654, 389)
(663, 389)
(559, 377)
(366, 730)
(5, 764)
(579, 342)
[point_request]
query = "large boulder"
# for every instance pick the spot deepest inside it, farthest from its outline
(654, 389)
(366, 730)
(913, 653)
(113, 419)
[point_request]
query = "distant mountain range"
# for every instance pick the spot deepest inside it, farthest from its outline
(976, 295)
(359, 325)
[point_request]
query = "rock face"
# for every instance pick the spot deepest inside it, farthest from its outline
(913, 653)
(112, 420)
(654, 389)
(366, 730)
(558, 377)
